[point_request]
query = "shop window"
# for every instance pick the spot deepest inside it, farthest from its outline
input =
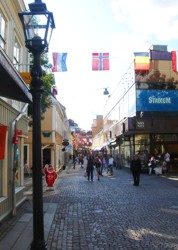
(164, 137)
(142, 139)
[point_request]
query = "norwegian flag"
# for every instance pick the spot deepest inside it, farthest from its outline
(100, 61)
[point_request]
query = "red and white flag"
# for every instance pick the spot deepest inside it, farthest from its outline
(100, 61)
(175, 61)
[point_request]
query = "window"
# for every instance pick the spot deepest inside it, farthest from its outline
(2, 31)
(16, 59)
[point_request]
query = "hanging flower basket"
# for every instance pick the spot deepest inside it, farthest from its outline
(46, 134)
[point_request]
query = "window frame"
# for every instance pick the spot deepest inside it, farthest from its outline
(3, 37)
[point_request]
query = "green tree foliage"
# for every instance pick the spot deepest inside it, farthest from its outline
(48, 84)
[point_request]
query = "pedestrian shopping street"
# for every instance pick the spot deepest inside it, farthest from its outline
(108, 214)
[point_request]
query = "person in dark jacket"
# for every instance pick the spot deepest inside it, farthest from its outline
(90, 166)
(135, 167)
(74, 160)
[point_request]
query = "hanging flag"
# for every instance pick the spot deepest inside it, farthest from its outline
(142, 61)
(174, 61)
(59, 62)
(100, 61)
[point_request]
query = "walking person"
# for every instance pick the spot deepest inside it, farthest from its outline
(90, 166)
(167, 160)
(152, 164)
(98, 166)
(74, 160)
(135, 167)
(101, 168)
(81, 160)
(104, 164)
(110, 165)
(164, 168)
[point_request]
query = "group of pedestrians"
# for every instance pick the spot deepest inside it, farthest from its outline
(135, 166)
(165, 165)
(78, 159)
(101, 163)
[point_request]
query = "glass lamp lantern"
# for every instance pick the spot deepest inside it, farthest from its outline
(106, 92)
(38, 24)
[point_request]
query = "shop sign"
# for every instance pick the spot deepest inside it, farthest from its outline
(26, 76)
(140, 124)
(3, 130)
(148, 100)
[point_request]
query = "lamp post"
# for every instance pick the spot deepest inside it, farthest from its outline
(38, 24)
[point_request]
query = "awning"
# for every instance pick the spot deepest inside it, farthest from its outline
(11, 83)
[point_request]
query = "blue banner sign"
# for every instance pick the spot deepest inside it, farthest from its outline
(157, 100)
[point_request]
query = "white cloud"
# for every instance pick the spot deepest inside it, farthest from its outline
(157, 19)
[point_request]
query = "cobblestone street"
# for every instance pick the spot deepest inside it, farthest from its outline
(112, 213)
(108, 214)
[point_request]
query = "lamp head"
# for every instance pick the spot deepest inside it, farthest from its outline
(106, 92)
(38, 24)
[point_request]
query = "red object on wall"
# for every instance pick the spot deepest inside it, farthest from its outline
(3, 130)
(16, 134)
(50, 174)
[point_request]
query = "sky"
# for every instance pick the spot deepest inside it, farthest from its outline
(118, 27)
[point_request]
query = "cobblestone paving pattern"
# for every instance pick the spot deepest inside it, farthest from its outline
(113, 214)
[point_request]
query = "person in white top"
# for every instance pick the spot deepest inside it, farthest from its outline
(110, 165)
(104, 168)
(167, 159)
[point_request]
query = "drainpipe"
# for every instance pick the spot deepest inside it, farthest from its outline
(14, 164)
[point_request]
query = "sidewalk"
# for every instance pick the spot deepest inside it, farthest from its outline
(17, 233)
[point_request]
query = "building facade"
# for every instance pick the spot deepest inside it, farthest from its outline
(144, 117)
(14, 99)
(54, 128)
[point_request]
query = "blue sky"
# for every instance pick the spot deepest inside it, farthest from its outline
(119, 27)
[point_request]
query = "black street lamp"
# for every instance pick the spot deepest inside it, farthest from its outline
(38, 24)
